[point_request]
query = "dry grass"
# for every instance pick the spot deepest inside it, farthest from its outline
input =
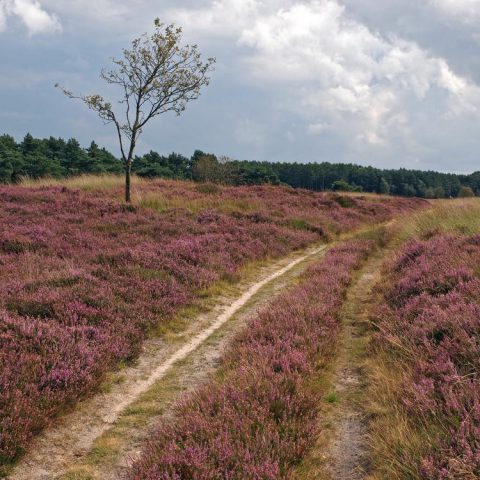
(392, 430)
(162, 203)
(368, 195)
(158, 201)
(87, 183)
(458, 215)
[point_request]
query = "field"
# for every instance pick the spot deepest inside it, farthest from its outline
(350, 349)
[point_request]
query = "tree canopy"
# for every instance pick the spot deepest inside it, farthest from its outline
(55, 157)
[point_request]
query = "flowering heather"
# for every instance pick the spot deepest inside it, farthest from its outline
(258, 417)
(83, 278)
(432, 318)
(327, 213)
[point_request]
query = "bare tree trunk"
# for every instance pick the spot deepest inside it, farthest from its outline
(128, 171)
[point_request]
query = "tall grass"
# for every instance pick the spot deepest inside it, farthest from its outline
(332, 213)
(87, 183)
(425, 393)
(444, 216)
(163, 203)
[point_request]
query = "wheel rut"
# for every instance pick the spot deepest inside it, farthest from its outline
(349, 455)
(341, 451)
(98, 440)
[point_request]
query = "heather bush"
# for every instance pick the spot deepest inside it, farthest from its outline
(83, 278)
(431, 320)
(257, 417)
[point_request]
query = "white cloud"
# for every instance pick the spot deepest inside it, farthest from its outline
(467, 11)
(337, 67)
(318, 62)
(3, 17)
(98, 11)
(32, 15)
(219, 17)
(318, 128)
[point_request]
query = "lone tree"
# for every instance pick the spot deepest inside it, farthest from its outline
(157, 75)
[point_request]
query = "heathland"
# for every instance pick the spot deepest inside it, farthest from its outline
(297, 334)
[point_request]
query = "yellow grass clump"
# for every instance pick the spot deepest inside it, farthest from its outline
(87, 183)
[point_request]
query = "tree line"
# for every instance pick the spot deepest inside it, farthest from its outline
(58, 158)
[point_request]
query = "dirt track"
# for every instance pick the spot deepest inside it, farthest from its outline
(64, 449)
(341, 451)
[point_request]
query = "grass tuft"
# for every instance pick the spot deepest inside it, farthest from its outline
(332, 397)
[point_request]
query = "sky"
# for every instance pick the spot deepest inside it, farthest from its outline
(390, 83)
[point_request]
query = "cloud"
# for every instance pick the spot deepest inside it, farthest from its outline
(250, 132)
(219, 17)
(31, 14)
(318, 128)
(468, 11)
(98, 11)
(332, 69)
(3, 17)
(364, 93)
(344, 80)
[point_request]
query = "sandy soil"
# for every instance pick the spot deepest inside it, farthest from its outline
(348, 456)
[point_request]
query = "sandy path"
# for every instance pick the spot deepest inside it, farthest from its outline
(348, 454)
(341, 451)
(54, 451)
